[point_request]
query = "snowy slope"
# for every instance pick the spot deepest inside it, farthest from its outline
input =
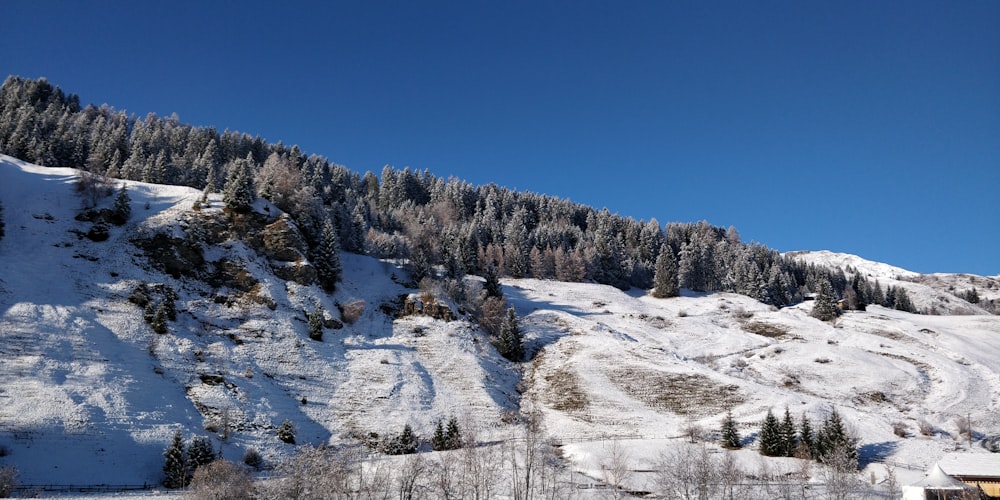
(939, 293)
(89, 394)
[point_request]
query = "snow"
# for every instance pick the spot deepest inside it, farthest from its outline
(89, 395)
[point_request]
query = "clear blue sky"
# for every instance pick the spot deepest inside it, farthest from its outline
(868, 127)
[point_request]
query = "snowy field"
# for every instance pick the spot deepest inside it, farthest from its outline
(90, 395)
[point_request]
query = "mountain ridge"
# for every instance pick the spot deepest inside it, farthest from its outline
(92, 394)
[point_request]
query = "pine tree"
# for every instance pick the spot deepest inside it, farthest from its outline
(316, 324)
(807, 442)
(730, 435)
(492, 284)
(238, 193)
(286, 433)
(175, 468)
(787, 432)
(439, 442)
(509, 344)
(122, 208)
(902, 302)
(200, 452)
(327, 258)
(406, 442)
(453, 436)
(159, 321)
(833, 440)
(771, 444)
(824, 307)
(665, 278)
(170, 303)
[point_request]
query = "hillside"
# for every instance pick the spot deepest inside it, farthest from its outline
(89, 394)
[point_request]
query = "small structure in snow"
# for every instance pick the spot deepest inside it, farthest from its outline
(939, 486)
(981, 470)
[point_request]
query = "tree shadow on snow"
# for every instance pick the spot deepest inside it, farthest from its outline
(875, 452)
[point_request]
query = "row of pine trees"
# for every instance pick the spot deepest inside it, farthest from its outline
(830, 443)
(430, 222)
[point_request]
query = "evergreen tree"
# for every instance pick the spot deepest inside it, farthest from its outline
(492, 284)
(902, 301)
(787, 432)
(833, 439)
(316, 324)
(825, 306)
(122, 208)
(170, 303)
(175, 468)
(439, 442)
(509, 344)
(807, 442)
(327, 258)
(730, 435)
(286, 433)
(159, 321)
(665, 278)
(453, 436)
(200, 452)
(771, 444)
(405, 443)
(238, 193)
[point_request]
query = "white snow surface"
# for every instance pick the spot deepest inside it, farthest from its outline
(90, 395)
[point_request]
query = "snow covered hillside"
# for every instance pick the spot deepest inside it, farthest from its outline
(89, 394)
(938, 293)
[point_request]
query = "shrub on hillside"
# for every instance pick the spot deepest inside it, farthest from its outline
(8, 480)
(221, 480)
(352, 311)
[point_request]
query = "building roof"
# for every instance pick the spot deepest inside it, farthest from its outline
(936, 479)
(971, 464)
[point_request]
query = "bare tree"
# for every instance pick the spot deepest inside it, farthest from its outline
(409, 475)
(8, 480)
(616, 466)
(891, 482)
(445, 478)
(480, 464)
(686, 472)
(220, 480)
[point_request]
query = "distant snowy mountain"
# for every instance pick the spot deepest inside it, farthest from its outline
(90, 394)
(938, 293)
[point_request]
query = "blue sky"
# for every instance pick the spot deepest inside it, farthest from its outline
(868, 127)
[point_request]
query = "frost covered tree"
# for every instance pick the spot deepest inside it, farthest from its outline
(453, 435)
(665, 278)
(438, 441)
(175, 468)
(509, 343)
(286, 433)
(771, 444)
(238, 193)
(492, 283)
(327, 258)
(200, 452)
(122, 208)
(316, 324)
(825, 306)
(730, 435)
(787, 433)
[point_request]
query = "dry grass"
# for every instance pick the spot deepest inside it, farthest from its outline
(565, 392)
(765, 329)
(686, 394)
